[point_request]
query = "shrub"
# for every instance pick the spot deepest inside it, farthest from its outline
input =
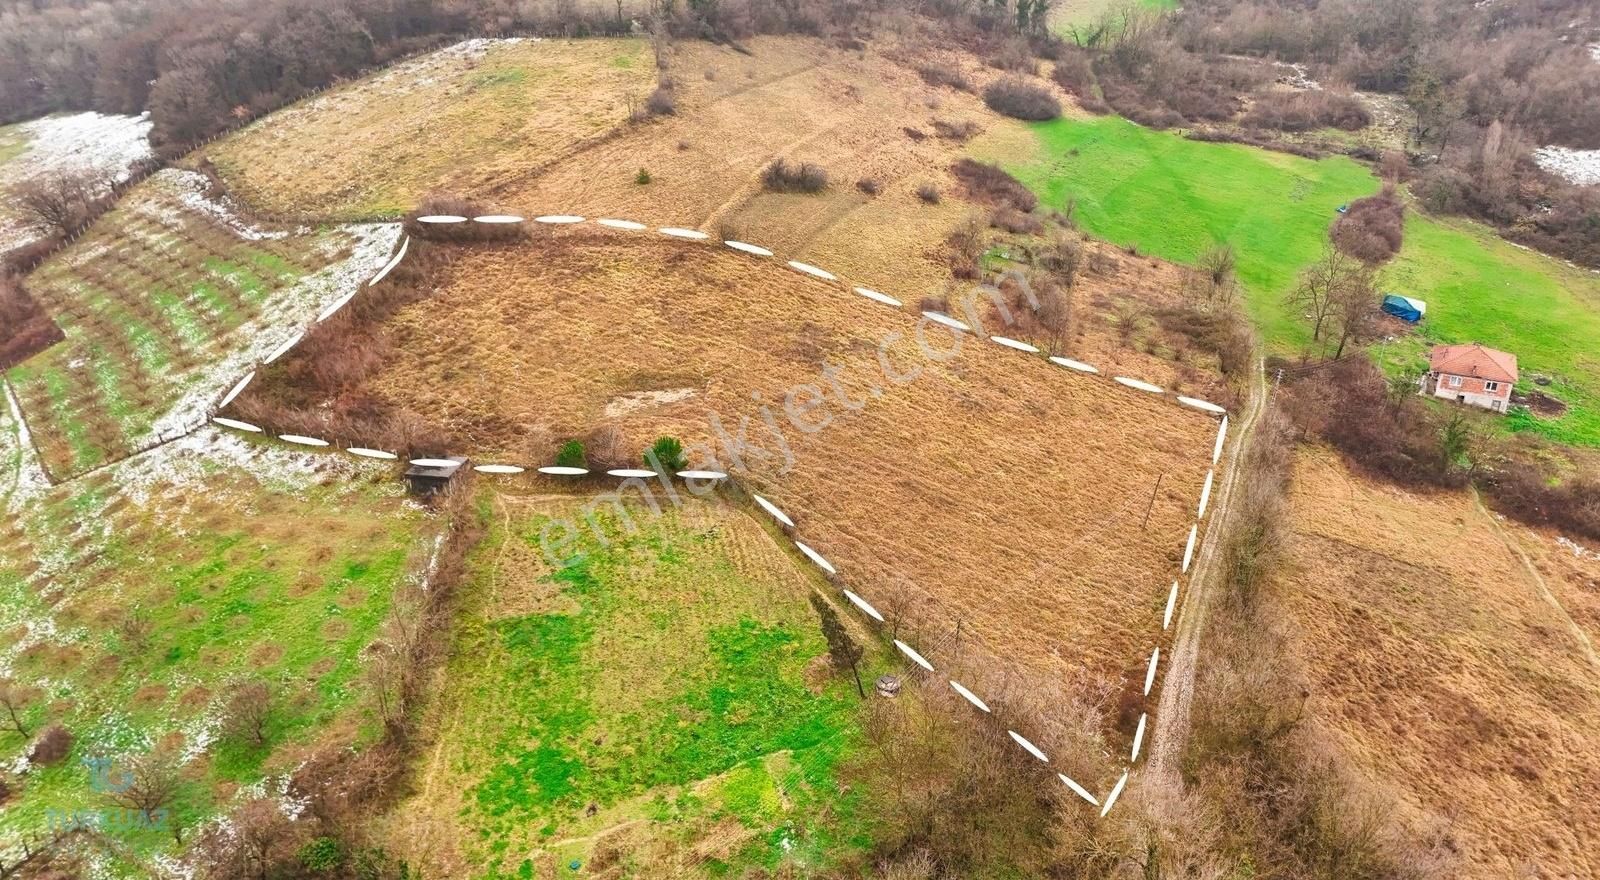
(1371, 229)
(782, 176)
(641, 177)
(53, 744)
(321, 855)
(869, 186)
(667, 453)
(1016, 97)
(928, 193)
(935, 74)
(1074, 72)
(1306, 110)
(956, 131)
(1015, 222)
(662, 102)
(991, 185)
(915, 134)
(571, 455)
(1015, 56)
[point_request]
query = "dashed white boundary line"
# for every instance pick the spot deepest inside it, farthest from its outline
(773, 510)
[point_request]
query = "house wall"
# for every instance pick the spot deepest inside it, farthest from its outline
(1470, 390)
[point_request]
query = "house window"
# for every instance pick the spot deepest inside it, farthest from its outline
(1491, 386)
(1455, 381)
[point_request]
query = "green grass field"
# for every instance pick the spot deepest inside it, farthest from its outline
(1173, 198)
(1481, 288)
(1065, 15)
(234, 577)
(652, 693)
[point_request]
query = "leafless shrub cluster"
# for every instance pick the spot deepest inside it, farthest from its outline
(1372, 229)
(961, 131)
(991, 185)
(781, 175)
(937, 74)
(25, 328)
(1019, 98)
(444, 204)
(1307, 109)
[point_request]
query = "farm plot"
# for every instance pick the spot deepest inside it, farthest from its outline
(659, 703)
(1450, 671)
(1016, 514)
(135, 600)
(462, 119)
(164, 304)
(863, 117)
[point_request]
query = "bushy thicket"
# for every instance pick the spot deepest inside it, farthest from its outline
(1372, 229)
(992, 185)
(459, 232)
(1305, 110)
(1019, 98)
(781, 175)
(25, 328)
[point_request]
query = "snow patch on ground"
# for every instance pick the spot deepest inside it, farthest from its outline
(190, 188)
(79, 140)
(24, 478)
(1594, 52)
(1577, 549)
(1575, 166)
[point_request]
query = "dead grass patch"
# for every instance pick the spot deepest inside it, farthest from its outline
(446, 121)
(1443, 672)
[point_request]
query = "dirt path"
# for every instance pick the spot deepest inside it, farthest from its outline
(1537, 581)
(1177, 689)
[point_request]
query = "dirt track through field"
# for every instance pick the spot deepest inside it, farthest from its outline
(1537, 580)
(1177, 689)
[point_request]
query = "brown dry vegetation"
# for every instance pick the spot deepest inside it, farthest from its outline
(1456, 679)
(449, 120)
(992, 488)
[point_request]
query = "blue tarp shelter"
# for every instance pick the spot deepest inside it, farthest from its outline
(1404, 307)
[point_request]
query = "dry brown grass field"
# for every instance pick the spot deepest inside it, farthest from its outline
(1454, 674)
(991, 488)
(464, 119)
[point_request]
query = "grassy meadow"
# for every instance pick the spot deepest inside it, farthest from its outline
(657, 701)
(1173, 198)
(133, 600)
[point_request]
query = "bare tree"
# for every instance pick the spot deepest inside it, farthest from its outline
(1054, 314)
(14, 698)
(150, 785)
(1353, 307)
(257, 842)
(59, 201)
(1321, 285)
(249, 712)
(35, 854)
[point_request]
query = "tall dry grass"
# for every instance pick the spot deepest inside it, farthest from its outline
(1295, 806)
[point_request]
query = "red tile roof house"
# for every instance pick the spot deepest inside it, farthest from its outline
(1472, 374)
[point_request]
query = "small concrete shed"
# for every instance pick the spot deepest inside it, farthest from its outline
(433, 475)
